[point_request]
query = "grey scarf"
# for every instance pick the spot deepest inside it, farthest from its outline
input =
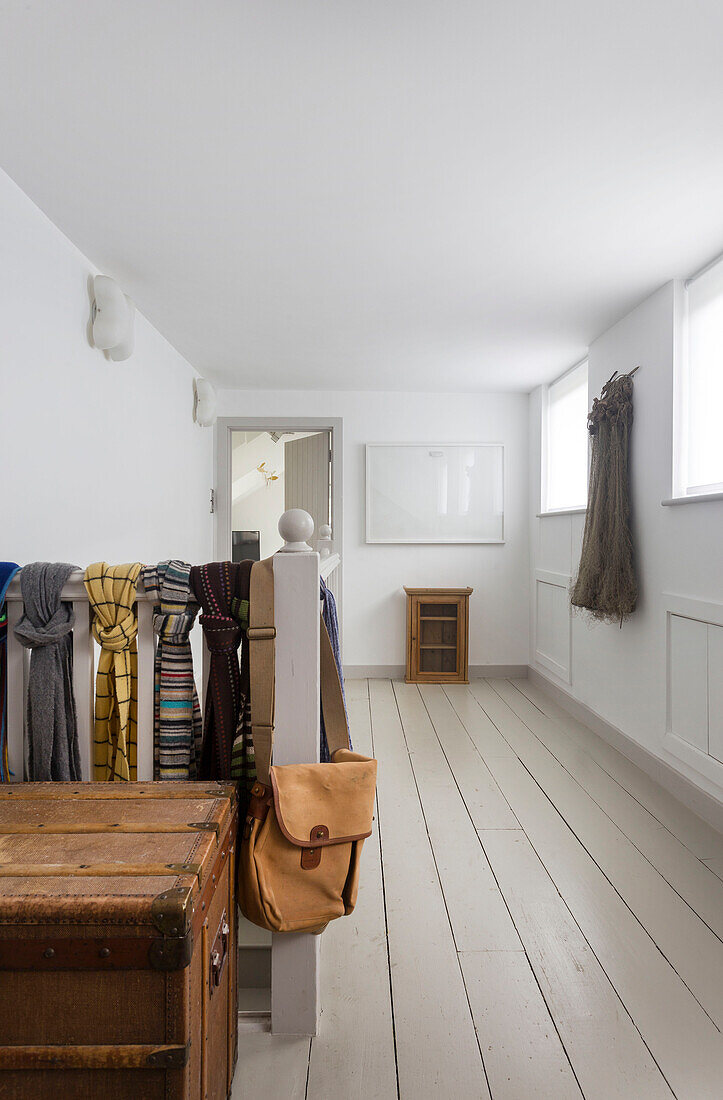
(45, 628)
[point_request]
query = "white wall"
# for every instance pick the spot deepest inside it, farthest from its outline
(374, 600)
(260, 509)
(99, 460)
(621, 674)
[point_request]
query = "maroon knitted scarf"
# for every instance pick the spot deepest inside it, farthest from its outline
(215, 586)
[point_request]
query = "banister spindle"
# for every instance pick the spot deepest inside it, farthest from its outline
(146, 659)
(83, 682)
(16, 683)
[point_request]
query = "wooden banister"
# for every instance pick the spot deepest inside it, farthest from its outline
(295, 1003)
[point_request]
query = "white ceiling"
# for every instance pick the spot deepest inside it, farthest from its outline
(373, 194)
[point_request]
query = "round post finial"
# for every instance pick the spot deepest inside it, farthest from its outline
(324, 540)
(296, 527)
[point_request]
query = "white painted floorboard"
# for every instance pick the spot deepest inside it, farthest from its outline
(437, 1048)
(677, 864)
(693, 831)
(678, 932)
(477, 912)
(355, 1045)
(537, 919)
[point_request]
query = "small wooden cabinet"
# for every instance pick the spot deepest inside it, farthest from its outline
(437, 635)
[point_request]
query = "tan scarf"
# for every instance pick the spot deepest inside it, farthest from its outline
(112, 594)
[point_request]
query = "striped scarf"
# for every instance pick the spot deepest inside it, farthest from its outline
(112, 595)
(214, 586)
(177, 724)
(8, 569)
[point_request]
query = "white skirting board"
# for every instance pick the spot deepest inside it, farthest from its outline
(397, 672)
(700, 802)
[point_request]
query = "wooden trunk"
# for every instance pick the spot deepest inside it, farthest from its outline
(117, 941)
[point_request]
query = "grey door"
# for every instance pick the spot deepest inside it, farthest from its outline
(307, 477)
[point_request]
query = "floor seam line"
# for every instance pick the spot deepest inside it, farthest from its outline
(384, 901)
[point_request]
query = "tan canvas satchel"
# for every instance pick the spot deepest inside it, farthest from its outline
(306, 823)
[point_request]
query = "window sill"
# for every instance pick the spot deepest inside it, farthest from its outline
(567, 512)
(693, 498)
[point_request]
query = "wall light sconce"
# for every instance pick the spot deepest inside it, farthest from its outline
(204, 403)
(113, 314)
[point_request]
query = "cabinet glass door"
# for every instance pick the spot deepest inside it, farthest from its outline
(437, 631)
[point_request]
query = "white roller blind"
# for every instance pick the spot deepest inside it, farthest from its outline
(703, 390)
(566, 442)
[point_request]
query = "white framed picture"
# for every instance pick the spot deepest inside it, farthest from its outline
(435, 492)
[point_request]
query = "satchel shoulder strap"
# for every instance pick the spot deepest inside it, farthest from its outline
(261, 635)
(262, 669)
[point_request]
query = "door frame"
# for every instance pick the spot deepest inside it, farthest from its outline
(222, 430)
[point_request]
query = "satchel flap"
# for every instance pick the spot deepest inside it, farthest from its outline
(321, 804)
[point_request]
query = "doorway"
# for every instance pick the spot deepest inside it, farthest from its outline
(272, 471)
(265, 466)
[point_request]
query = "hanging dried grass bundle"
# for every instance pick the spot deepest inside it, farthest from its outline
(605, 584)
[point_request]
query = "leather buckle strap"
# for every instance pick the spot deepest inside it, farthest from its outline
(261, 635)
(262, 672)
(259, 803)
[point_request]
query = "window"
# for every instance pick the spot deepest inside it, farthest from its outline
(699, 443)
(565, 441)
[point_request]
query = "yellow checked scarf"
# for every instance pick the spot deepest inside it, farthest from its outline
(112, 594)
